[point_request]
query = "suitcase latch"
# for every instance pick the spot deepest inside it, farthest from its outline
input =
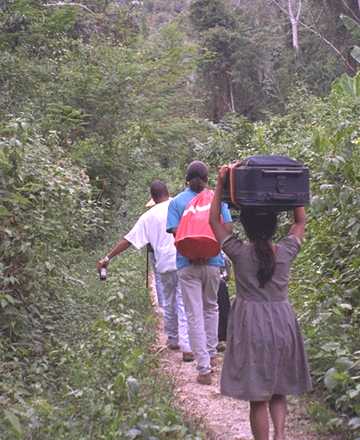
(281, 183)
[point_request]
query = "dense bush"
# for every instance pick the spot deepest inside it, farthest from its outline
(48, 210)
(93, 373)
(80, 140)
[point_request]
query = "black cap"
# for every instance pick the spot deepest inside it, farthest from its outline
(197, 169)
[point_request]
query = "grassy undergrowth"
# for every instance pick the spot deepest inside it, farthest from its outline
(93, 374)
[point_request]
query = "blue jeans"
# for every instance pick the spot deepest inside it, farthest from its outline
(158, 284)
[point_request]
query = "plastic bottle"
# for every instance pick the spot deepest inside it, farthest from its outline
(103, 273)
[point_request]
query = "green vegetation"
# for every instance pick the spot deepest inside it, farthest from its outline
(89, 374)
(99, 99)
(249, 65)
(87, 121)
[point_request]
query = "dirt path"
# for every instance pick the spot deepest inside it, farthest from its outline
(223, 418)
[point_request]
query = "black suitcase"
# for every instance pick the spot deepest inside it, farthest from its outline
(276, 182)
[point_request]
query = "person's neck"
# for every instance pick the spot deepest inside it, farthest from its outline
(162, 199)
(197, 190)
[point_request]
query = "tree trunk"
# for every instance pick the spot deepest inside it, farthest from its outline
(294, 20)
(295, 35)
(231, 93)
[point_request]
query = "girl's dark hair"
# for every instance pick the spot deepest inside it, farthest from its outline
(197, 175)
(197, 184)
(260, 226)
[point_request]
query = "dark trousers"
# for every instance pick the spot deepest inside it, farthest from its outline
(224, 308)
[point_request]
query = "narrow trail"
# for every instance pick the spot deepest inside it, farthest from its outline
(223, 418)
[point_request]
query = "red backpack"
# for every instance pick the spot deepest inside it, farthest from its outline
(194, 236)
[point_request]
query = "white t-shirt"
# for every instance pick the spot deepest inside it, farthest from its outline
(151, 228)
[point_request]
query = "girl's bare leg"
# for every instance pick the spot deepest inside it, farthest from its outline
(278, 411)
(259, 420)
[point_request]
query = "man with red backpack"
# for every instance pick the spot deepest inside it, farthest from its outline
(199, 277)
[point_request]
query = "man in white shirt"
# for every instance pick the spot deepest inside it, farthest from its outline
(151, 229)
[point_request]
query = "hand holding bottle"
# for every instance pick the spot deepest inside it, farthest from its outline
(101, 266)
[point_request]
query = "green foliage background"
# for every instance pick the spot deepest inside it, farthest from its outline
(95, 103)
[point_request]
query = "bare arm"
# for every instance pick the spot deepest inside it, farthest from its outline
(120, 246)
(221, 231)
(298, 227)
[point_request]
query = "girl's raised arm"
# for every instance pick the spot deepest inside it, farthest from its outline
(298, 227)
(221, 231)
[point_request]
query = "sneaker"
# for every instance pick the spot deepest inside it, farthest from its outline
(187, 356)
(204, 379)
(173, 346)
(221, 346)
(213, 361)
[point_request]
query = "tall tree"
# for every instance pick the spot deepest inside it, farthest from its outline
(217, 30)
(294, 10)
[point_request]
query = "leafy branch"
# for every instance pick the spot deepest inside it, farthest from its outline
(80, 5)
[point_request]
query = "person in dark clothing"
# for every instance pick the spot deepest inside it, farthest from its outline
(223, 303)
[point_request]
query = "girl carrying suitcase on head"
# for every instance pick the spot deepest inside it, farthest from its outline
(264, 358)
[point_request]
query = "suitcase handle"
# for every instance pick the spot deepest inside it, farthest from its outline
(279, 171)
(232, 182)
(282, 197)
